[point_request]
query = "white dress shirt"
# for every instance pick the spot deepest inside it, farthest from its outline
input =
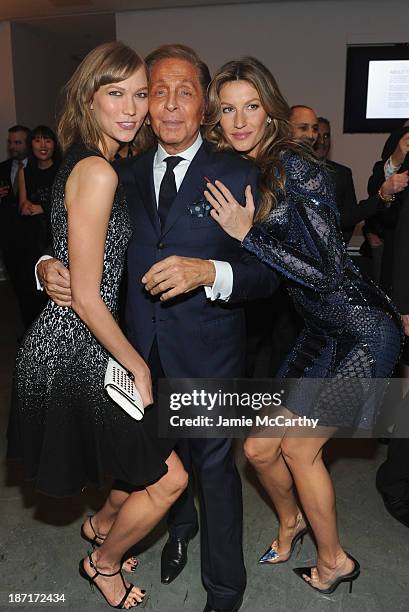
(15, 166)
(223, 283)
(390, 168)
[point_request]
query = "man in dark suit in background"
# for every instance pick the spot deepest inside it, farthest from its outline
(392, 478)
(180, 253)
(18, 152)
(350, 212)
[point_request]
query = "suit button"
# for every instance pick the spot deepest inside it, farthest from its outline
(153, 319)
(160, 245)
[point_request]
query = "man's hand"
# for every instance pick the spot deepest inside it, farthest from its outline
(405, 323)
(4, 190)
(374, 240)
(25, 208)
(55, 278)
(29, 208)
(176, 275)
(399, 153)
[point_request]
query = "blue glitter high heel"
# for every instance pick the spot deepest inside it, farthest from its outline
(271, 554)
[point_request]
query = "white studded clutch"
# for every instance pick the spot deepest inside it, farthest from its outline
(119, 384)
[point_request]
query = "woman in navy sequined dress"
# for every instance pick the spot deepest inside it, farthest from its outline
(64, 427)
(351, 329)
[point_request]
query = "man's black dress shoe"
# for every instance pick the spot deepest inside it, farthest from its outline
(174, 558)
(398, 508)
(235, 607)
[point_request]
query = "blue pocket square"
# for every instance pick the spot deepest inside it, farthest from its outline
(201, 208)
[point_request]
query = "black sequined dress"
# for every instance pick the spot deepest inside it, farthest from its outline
(62, 424)
(352, 331)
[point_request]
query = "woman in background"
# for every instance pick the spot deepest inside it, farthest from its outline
(34, 189)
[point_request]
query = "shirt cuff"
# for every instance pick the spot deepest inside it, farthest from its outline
(389, 168)
(38, 284)
(223, 282)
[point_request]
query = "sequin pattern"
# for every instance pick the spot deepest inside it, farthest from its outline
(352, 330)
(62, 424)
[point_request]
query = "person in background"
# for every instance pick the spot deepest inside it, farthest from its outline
(392, 478)
(18, 156)
(34, 194)
(379, 230)
(351, 212)
(344, 183)
(304, 124)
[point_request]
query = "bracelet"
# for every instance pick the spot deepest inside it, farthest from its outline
(387, 199)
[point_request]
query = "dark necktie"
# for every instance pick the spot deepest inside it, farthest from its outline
(167, 191)
(15, 182)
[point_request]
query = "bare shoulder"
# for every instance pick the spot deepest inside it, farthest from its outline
(94, 171)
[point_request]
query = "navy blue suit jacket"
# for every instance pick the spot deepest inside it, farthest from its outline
(196, 338)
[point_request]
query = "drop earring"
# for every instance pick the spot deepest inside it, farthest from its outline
(268, 120)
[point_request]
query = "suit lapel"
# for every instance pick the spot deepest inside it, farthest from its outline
(144, 181)
(192, 186)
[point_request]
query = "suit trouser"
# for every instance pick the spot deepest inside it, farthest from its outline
(392, 478)
(221, 510)
(221, 514)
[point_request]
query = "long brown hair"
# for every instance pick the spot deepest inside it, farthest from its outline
(277, 134)
(109, 63)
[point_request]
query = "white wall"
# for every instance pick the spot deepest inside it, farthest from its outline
(7, 99)
(303, 43)
(41, 66)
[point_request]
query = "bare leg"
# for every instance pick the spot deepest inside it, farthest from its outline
(105, 517)
(304, 458)
(101, 522)
(266, 457)
(139, 513)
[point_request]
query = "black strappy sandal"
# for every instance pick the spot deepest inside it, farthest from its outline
(95, 544)
(92, 583)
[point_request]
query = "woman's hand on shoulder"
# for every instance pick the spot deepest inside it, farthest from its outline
(236, 220)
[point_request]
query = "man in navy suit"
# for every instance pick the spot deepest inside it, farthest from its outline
(185, 316)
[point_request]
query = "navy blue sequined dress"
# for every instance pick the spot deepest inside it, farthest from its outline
(352, 331)
(62, 424)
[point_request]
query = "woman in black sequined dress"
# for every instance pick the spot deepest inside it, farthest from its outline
(62, 424)
(351, 331)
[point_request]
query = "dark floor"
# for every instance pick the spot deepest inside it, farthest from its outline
(40, 545)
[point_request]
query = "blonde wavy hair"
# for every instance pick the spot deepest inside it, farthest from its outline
(277, 134)
(108, 63)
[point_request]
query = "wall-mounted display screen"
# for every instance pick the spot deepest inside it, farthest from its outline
(376, 88)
